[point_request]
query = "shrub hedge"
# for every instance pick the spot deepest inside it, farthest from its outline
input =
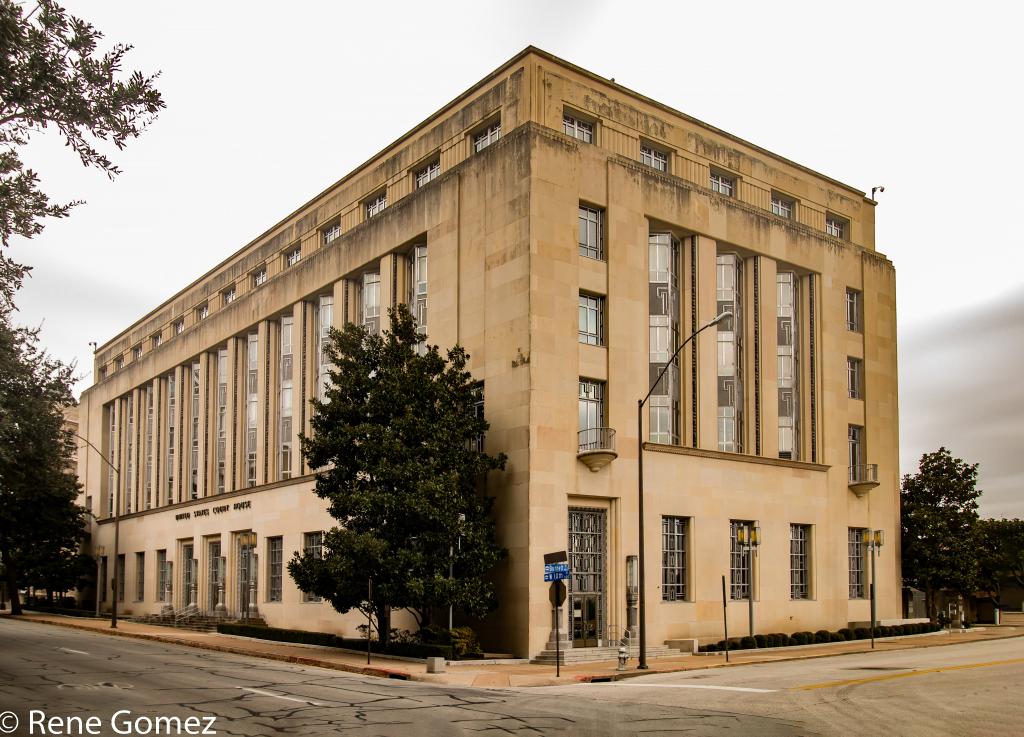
(278, 634)
(821, 636)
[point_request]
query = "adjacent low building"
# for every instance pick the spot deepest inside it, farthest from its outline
(570, 233)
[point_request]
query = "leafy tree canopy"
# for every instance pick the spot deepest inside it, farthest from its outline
(41, 526)
(54, 75)
(1000, 544)
(397, 447)
(939, 508)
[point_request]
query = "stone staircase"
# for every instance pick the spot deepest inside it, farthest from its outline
(194, 622)
(574, 655)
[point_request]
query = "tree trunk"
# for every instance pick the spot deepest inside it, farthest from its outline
(384, 626)
(929, 601)
(12, 587)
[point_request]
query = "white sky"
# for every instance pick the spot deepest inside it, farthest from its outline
(269, 104)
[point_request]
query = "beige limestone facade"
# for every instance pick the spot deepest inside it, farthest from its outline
(570, 233)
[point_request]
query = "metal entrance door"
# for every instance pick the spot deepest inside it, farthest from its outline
(213, 575)
(246, 572)
(587, 554)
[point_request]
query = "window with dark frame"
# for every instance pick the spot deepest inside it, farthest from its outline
(591, 411)
(836, 226)
(673, 558)
(855, 377)
(783, 206)
(739, 561)
(428, 173)
(856, 446)
(591, 235)
(723, 184)
(853, 311)
(799, 561)
(275, 568)
(140, 577)
(591, 319)
(857, 554)
(486, 136)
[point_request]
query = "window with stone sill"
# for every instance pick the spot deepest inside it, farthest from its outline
(203, 312)
(783, 206)
(293, 256)
(376, 205)
(428, 173)
(179, 327)
(653, 157)
(137, 353)
(723, 184)
(259, 277)
(330, 233)
(578, 129)
(486, 136)
(229, 296)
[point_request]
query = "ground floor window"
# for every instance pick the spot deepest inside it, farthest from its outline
(673, 558)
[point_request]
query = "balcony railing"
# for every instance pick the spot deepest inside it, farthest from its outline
(597, 447)
(863, 478)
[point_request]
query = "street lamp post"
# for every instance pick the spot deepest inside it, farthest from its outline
(749, 540)
(117, 530)
(640, 486)
(873, 540)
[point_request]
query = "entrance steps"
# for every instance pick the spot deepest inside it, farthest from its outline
(194, 622)
(596, 654)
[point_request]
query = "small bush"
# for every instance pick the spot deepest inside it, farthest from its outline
(761, 640)
(862, 633)
(835, 637)
(847, 633)
(803, 638)
(709, 648)
(822, 636)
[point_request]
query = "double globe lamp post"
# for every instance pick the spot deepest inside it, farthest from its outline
(640, 485)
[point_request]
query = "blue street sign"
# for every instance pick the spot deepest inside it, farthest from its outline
(556, 571)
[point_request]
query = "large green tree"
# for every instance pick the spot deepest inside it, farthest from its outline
(41, 526)
(54, 76)
(396, 447)
(938, 512)
(1000, 544)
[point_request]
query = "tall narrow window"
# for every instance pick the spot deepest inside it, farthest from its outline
(285, 402)
(788, 364)
(324, 318)
(591, 319)
(417, 297)
(857, 553)
(673, 558)
(370, 296)
(739, 561)
(119, 573)
(222, 419)
(275, 566)
(148, 478)
(730, 354)
(161, 575)
(112, 457)
(251, 399)
(193, 464)
(591, 410)
(663, 307)
(856, 445)
(853, 310)
(854, 377)
(799, 561)
(172, 440)
(313, 545)
(140, 577)
(591, 232)
(129, 446)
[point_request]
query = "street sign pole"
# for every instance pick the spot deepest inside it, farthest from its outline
(558, 651)
(557, 596)
(725, 619)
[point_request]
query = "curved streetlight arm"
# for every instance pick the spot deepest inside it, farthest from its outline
(680, 348)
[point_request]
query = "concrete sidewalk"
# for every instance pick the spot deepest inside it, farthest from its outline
(497, 674)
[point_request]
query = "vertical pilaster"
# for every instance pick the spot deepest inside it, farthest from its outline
(751, 358)
(769, 341)
(707, 344)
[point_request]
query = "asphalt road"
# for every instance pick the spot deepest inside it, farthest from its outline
(65, 673)
(969, 689)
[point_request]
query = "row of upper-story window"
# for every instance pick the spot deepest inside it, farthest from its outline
(171, 447)
(422, 174)
(720, 180)
(481, 137)
(677, 566)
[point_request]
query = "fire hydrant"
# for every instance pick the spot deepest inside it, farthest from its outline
(623, 657)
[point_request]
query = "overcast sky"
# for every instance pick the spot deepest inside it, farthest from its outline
(268, 104)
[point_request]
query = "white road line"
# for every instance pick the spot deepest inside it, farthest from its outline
(279, 696)
(690, 685)
(69, 650)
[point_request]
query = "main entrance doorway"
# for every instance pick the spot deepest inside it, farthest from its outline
(587, 553)
(213, 575)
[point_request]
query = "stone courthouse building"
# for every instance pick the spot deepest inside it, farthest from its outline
(569, 233)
